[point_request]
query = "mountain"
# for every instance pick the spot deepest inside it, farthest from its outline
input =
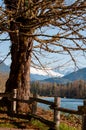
(59, 80)
(42, 74)
(4, 68)
(35, 73)
(45, 72)
(77, 75)
(48, 75)
(64, 71)
(36, 77)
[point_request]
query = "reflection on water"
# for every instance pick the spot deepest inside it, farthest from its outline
(65, 103)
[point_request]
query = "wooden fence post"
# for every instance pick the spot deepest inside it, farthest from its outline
(34, 104)
(84, 117)
(14, 103)
(56, 112)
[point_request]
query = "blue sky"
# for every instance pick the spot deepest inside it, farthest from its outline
(53, 60)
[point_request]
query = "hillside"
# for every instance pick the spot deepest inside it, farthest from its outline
(3, 79)
(51, 76)
(4, 71)
(78, 75)
(35, 73)
(57, 80)
(4, 68)
(36, 77)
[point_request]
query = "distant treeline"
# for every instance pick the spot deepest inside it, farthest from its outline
(76, 89)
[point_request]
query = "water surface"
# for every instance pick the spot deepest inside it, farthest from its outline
(65, 103)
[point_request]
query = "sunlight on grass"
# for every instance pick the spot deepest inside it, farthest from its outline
(7, 125)
(44, 127)
(39, 125)
(66, 127)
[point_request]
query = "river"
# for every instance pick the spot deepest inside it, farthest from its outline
(65, 103)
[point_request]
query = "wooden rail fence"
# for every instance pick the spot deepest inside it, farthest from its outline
(54, 125)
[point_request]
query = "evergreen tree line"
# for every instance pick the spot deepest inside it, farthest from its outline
(76, 89)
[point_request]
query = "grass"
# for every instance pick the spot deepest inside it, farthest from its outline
(68, 122)
(67, 127)
(63, 126)
(7, 125)
(38, 124)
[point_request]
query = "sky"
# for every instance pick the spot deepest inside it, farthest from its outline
(60, 62)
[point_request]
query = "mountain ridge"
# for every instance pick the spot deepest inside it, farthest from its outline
(4, 68)
(76, 75)
(35, 73)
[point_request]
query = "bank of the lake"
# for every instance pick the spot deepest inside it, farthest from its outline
(68, 121)
(65, 103)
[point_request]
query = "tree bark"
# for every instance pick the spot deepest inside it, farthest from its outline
(21, 48)
(23, 75)
(19, 77)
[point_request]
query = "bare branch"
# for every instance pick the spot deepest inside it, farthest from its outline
(66, 24)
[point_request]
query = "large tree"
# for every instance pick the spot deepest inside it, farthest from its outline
(36, 27)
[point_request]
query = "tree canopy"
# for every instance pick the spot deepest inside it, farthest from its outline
(54, 25)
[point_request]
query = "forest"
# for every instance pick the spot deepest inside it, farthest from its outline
(76, 89)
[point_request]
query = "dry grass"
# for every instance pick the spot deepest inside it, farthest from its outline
(12, 122)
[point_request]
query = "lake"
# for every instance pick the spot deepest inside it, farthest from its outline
(65, 103)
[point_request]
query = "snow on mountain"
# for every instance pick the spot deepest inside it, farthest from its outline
(45, 72)
(65, 70)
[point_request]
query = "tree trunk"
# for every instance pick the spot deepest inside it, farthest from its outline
(19, 77)
(21, 49)
(23, 75)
